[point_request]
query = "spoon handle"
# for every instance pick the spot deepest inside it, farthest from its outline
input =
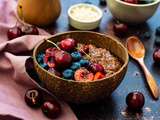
(150, 80)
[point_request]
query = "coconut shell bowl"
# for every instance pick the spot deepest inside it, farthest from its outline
(83, 92)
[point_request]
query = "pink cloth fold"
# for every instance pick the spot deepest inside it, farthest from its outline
(14, 81)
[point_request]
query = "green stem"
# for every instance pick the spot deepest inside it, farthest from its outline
(85, 53)
(53, 44)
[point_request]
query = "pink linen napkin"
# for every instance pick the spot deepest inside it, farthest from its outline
(13, 79)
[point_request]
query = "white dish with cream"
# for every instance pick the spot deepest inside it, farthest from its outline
(84, 16)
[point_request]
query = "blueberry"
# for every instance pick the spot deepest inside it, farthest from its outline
(44, 65)
(68, 74)
(158, 31)
(40, 58)
(75, 66)
(84, 62)
(76, 56)
(40, 55)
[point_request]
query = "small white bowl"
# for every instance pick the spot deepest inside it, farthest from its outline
(84, 16)
(132, 13)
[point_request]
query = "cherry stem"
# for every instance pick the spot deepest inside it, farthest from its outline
(53, 44)
(60, 49)
(85, 53)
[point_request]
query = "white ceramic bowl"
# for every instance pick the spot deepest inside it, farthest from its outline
(84, 16)
(132, 13)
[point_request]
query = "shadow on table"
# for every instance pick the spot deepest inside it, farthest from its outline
(98, 110)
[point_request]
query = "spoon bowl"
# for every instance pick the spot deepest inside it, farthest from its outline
(135, 47)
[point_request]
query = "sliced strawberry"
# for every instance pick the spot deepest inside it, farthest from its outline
(51, 62)
(83, 74)
(99, 75)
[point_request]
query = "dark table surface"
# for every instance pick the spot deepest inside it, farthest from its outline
(114, 107)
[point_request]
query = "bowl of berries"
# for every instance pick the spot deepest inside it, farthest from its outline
(81, 66)
(133, 11)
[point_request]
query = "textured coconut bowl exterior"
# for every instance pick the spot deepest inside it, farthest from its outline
(83, 92)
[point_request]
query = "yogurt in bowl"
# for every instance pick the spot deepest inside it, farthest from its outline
(84, 16)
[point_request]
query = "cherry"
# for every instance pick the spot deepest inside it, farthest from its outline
(135, 101)
(33, 98)
(30, 30)
(14, 32)
(63, 59)
(94, 67)
(156, 56)
(132, 1)
(68, 44)
(120, 29)
(83, 74)
(51, 109)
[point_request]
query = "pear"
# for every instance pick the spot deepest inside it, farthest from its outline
(39, 12)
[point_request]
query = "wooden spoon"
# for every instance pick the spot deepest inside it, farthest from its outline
(137, 51)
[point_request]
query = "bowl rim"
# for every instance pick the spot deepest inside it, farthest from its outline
(139, 5)
(89, 5)
(125, 64)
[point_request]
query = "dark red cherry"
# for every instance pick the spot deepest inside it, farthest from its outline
(63, 59)
(33, 98)
(52, 109)
(30, 30)
(135, 101)
(120, 29)
(156, 56)
(14, 32)
(96, 68)
(132, 1)
(34, 30)
(68, 44)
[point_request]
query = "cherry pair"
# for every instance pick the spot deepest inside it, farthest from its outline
(15, 31)
(34, 98)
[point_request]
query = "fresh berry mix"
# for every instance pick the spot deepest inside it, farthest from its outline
(138, 1)
(74, 61)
